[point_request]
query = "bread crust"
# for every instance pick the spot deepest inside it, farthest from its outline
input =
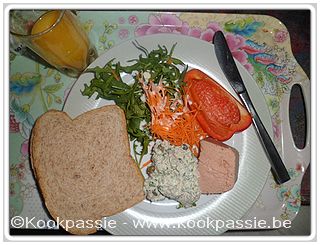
(128, 167)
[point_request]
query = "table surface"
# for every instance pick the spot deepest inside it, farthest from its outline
(300, 43)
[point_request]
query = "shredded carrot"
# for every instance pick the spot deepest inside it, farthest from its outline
(146, 164)
(171, 119)
(115, 75)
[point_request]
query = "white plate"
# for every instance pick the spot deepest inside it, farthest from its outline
(164, 217)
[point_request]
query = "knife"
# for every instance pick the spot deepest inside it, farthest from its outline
(232, 74)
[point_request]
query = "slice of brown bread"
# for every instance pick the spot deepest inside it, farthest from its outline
(83, 166)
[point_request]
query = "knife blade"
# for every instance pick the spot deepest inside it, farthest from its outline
(232, 74)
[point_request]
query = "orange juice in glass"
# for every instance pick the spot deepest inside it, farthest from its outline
(57, 37)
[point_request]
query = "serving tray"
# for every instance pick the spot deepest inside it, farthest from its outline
(260, 43)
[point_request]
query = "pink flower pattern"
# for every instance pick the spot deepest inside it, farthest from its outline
(133, 20)
(164, 23)
(170, 23)
(123, 33)
(21, 166)
(25, 148)
(14, 125)
(121, 20)
(280, 36)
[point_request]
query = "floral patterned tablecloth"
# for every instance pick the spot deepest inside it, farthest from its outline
(260, 43)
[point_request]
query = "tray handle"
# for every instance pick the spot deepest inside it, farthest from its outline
(291, 153)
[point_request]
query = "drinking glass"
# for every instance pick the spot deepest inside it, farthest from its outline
(56, 36)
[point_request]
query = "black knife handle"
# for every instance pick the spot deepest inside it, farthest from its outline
(279, 170)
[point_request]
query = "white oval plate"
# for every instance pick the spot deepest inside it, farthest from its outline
(163, 218)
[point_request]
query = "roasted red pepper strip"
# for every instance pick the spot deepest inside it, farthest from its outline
(220, 114)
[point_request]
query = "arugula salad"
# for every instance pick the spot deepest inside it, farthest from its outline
(153, 103)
